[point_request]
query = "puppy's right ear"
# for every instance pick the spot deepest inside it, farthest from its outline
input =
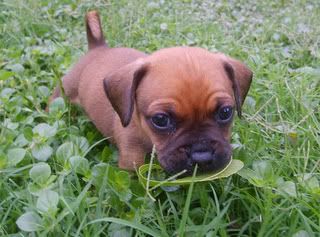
(120, 88)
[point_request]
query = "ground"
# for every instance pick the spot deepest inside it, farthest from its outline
(58, 176)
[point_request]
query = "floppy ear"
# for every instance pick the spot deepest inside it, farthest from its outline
(120, 87)
(241, 77)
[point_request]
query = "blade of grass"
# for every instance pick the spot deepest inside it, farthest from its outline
(74, 206)
(149, 174)
(187, 205)
(95, 144)
(133, 225)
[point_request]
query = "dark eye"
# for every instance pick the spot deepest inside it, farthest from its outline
(225, 113)
(161, 121)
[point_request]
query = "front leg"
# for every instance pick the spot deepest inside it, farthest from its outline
(130, 158)
(133, 145)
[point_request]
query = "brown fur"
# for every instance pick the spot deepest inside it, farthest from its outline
(122, 88)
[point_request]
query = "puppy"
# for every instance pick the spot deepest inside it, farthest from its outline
(181, 99)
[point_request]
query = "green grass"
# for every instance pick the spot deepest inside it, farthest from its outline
(55, 179)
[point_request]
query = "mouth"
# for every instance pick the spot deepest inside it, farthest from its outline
(206, 161)
(210, 167)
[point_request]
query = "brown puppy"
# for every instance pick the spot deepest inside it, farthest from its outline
(179, 99)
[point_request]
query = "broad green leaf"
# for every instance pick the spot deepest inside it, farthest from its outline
(15, 155)
(121, 184)
(122, 179)
(65, 151)
(117, 230)
(309, 180)
(308, 70)
(29, 120)
(18, 68)
(287, 188)
(233, 167)
(253, 177)
(261, 175)
(43, 91)
(29, 222)
(57, 106)
(42, 152)
(82, 143)
(134, 225)
(48, 201)
(40, 173)
(45, 130)
(28, 134)
(4, 74)
(250, 102)
(301, 233)
(80, 165)
(263, 168)
(100, 171)
(36, 189)
(7, 92)
(3, 160)
(21, 141)
(10, 125)
(106, 154)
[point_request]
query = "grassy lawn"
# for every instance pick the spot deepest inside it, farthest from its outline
(58, 176)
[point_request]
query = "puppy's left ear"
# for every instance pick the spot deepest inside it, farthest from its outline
(120, 88)
(241, 77)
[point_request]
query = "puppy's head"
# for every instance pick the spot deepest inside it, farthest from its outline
(184, 100)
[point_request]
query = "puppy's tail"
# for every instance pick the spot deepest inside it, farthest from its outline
(94, 30)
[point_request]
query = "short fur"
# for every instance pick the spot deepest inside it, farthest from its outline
(121, 89)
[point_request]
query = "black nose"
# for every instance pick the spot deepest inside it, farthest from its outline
(201, 153)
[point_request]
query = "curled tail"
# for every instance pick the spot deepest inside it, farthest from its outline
(94, 30)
